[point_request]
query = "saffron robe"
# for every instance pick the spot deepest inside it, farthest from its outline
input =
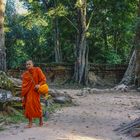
(31, 102)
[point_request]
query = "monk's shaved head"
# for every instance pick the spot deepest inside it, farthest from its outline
(29, 64)
(29, 61)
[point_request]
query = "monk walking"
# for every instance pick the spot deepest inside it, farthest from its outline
(32, 78)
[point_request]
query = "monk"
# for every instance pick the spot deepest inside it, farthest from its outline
(32, 78)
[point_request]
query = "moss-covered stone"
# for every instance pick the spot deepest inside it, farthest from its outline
(5, 82)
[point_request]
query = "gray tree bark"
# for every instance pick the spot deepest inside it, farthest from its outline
(137, 46)
(2, 38)
(56, 34)
(57, 49)
(132, 74)
(81, 64)
(129, 75)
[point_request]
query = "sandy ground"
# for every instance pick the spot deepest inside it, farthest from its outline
(95, 118)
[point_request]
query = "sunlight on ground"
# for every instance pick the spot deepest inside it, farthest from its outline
(74, 137)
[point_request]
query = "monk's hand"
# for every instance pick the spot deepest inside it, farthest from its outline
(22, 99)
(37, 87)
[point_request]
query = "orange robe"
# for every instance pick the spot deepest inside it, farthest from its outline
(31, 101)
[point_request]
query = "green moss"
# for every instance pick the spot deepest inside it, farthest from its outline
(14, 118)
(1, 129)
(5, 82)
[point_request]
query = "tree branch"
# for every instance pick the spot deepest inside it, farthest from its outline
(89, 21)
(71, 23)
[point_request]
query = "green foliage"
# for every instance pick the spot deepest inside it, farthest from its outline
(113, 58)
(18, 118)
(5, 82)
(79, 4)
(109, 36)
(15, 118)
(28, 38)
(60, 10)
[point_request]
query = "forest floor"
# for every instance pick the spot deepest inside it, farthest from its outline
(94, 118)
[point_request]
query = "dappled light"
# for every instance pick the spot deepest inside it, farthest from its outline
(78, 137)
(87, 55)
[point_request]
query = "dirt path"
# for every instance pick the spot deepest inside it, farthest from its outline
(94, 118)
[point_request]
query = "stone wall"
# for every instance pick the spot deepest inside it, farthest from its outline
(60, 73)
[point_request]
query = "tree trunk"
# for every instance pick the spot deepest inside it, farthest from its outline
(132, 73)
(137, 46)
(129, 75)
(81, 64)
(2, 39)
(137, 68)
(105, 40)
(57, 50)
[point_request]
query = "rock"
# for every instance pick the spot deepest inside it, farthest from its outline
(135, 132)
(8, 102)
(92, 78)
(54, 93)
(80, 94)
(95, 80)
(62, 99)
(5, 82)
(16, 82)
(138, 89)
(121, 87)
(84, 92)
(60, 96)
(5, 95)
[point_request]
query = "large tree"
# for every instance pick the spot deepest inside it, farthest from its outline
(2, 39)
(137, 48)
(77, 18)
(53, 4)
(57, 48)
(132, 74)
(81, 63)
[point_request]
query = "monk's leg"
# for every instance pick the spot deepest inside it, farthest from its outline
(41, 121)
(30, 123)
